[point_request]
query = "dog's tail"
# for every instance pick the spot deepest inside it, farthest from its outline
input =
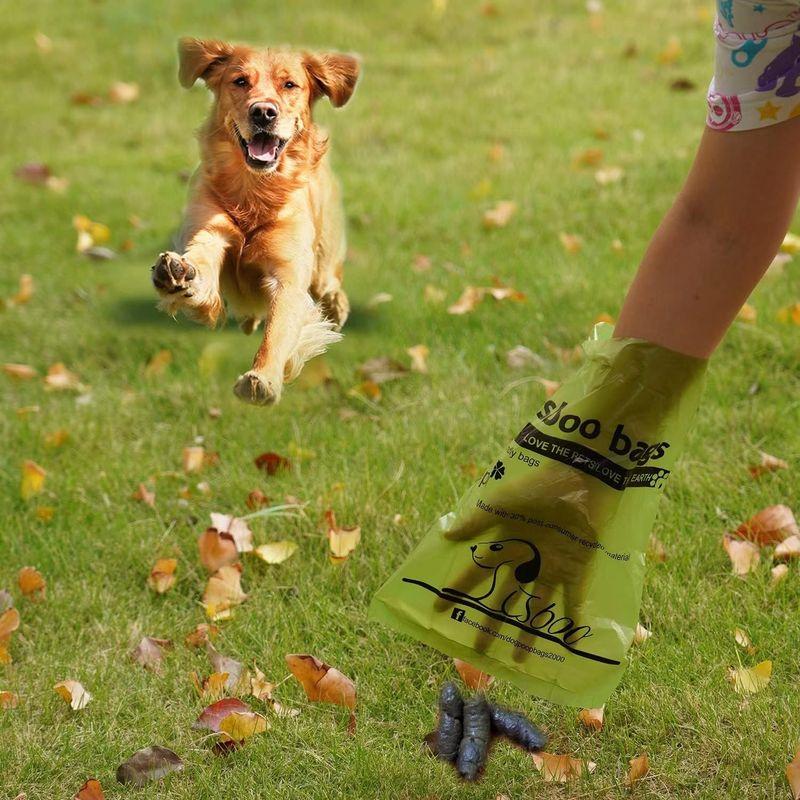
(316, 335)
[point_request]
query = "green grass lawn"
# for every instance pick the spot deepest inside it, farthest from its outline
(438, 91)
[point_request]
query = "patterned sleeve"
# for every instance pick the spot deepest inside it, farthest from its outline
(757, 76)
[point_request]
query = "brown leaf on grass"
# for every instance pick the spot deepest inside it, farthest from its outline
(31, 583)
(592, 718)
(150, 652)
(91, 790)
(382, 369)
(419, 358)
(9, 622)
(672, 51)
(499, 215)
(144, 495)
(32, 482)
(211, 688)
(122, 93)
(639, 767)
(366, 389)
(38, 174)
(341, 540)
(83, 98)
(211, 716)
(25, 291)
(767, 464)
(57, 438)
(256, 499)
(149, 764)
(560, 769)
(158, 363)
(201, 634)
(571, 242)
(236, 528)
(45, 513)
(276, 552)
(59, 378)
(470, 297)
(589, 157)
(262, 689)
(641, 634)
(20, 372)
(472, 676)
(272, 463)
(521, 357)
(238, 677)
(550, 387)
(216, 549)
(8, 700)
(682, 85)
(162, 576)
(748, 314)
(223, 592)
(771, 524)
(749, 680)
(496, 152)
(73, 693)
(321, 682)
(793, 775)
(656, 549)
(744, 555)
(193, 458)
(778, 573)
(787, 549)
(421, 263)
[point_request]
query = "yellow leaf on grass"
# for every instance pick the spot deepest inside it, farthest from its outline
(368, 389)
(592, 718)
(211, 688)
(341, 540)
(790, 314)
(749, 680)
(162, 576)
(500, 215)
(57, 438)
(25, 291)
(472, 676)
(791, 244)
(223, 592)
(793, 775)
(8, 700)
(321, 682)
(744, 555)
(121, 92)
(238, 726)
(747, 313)
(560, 769)
(9, 622)
(276, 552)
(419, 357)
(671, 52)
(32, 481)
(608, 175)
(604, 317)
(21, 372)
(89, 233)
(741, 637)
(639, 767)
(571, 242)
(590, 157)
(31, 582)
(193, 458)
(59, 378)
(767, 463)
(158, 363)
(470, 297)
(73, 693)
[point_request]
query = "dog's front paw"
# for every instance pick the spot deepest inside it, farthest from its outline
(173, 275)
(253, 388)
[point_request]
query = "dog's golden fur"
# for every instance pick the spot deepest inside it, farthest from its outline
(265, 233)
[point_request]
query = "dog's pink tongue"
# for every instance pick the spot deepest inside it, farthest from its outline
(263, 148)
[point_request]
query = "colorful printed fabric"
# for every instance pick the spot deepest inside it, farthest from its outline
(757, 76)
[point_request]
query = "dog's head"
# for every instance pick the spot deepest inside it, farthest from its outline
(263, 97)
(522, 555)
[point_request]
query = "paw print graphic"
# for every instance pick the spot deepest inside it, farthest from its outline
(498, 470)
(657, 481)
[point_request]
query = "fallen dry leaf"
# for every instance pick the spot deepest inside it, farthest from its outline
(150, 652)
(9, 622)
(590, 157)
(73, 693)
(201, 634)
(262, 689)
(771, 524)
(341, 540)
(656, 550)
(321, 682)
(216, 549)
(223, 592)
(639, 767)
(382, 369)
(473, 677)
(421, 263)
(256, 499)
(608, 175)
(419, 358)
(276, 552)
(59, 378)
(470, 297)
(162, 576)
(790, 244)
(193, 458)
(238, 677)
(379, 299)
(31, 583)
(158, 363)
(604, 317)
(91, 790)
(641, 634)
(238, 726)
(149, 764)
(560, 769)
(592, 718)
(211, 688)
(32, 482)
(236, 528)
(496, 152)
(741, 637)
(21, 372)
(788, 548)
(367, 389)
(500, 214)
(778, 573)
(121, 92)
(748, 314)
(749, 680)
(57, 438)
(789, 314)
(550, 387)
(212, 716)
(672, 51)
(571, 242)
(744, 555)
(8, 700)
(272, 463)
(25, 291)
(145, 495)
(766, 464)
(793, 775)
(521, 357)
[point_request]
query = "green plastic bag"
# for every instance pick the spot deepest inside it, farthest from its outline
(536, 577)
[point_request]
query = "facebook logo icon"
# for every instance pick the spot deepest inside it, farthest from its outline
(457, 615)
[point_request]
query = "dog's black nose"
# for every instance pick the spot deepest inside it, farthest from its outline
(263, 113)
(474, 548)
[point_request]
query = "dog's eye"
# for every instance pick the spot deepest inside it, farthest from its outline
(240, 81)
(290, 85)
(495, 547)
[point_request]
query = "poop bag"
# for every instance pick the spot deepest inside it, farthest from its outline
(536, 576)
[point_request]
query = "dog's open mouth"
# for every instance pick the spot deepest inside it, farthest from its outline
(263, 151)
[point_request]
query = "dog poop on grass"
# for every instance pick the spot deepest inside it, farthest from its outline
(466, 728)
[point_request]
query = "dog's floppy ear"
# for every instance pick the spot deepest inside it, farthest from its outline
(529, 570)
(199, 58)
(333, 74)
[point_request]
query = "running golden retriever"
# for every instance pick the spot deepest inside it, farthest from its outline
(264, 226)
